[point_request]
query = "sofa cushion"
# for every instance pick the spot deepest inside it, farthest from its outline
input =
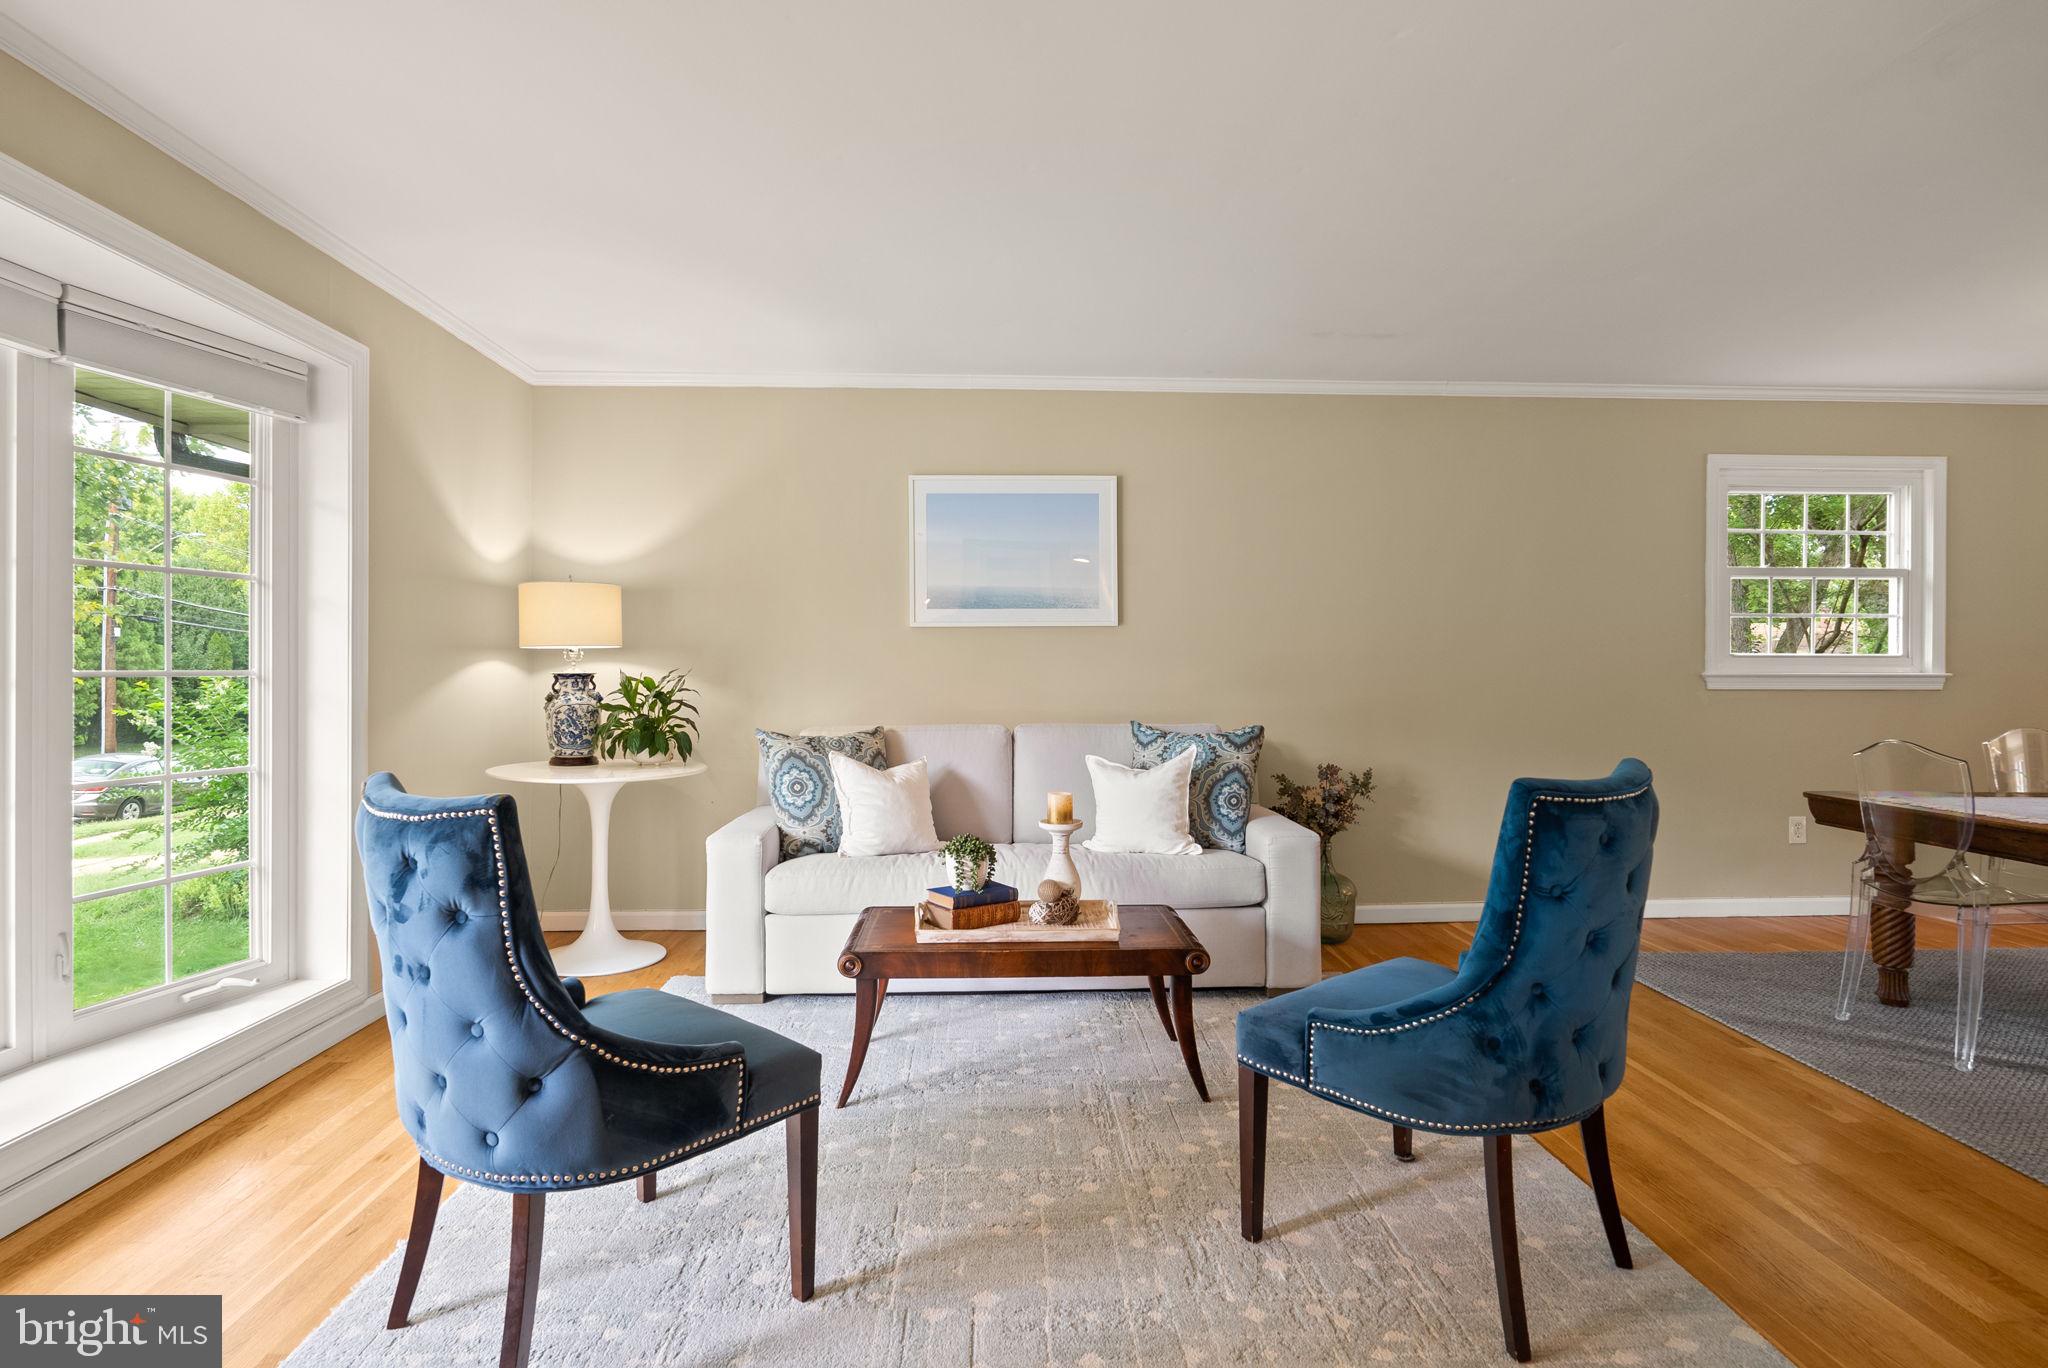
(816, 884)
(800, 786)
(1226, 776)
(969, 769)
(1052, 757)
(883, 812)
(1141, 809)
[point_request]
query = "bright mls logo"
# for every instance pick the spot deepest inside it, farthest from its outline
(163, 1332)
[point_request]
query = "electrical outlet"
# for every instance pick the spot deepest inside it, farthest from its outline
(1795, 830)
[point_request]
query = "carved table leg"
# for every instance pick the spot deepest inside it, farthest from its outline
(1891, 924)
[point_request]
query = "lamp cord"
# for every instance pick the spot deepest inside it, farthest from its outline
(556, 862)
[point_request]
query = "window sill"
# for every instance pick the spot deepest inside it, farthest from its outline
(68, 1121)
(1845, 679)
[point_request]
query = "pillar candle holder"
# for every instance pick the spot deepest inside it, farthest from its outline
(1061, 865)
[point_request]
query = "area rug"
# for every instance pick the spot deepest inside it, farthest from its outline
(1902, 1057)
(1031, 1180)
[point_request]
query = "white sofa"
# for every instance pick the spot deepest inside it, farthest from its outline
(777, 926)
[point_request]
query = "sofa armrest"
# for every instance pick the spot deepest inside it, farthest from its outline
(1293, 857)
(737, 858)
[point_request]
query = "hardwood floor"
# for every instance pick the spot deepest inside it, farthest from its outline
(1846, 1233)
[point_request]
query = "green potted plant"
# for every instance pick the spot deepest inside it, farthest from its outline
(648, 718)
(969, 858)
(1328, 806)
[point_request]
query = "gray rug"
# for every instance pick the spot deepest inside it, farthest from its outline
(1902, 1057)
(1030, 1180)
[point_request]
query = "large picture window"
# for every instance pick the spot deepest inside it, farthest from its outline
(182, 651)
(165, 493)
(1824, 572)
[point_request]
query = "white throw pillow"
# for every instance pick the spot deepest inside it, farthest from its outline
(1142, 812)
(883, 812)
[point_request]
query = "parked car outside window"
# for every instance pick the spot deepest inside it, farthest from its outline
(110, 786)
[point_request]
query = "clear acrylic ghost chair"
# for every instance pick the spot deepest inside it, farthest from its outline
(2019, 769)
(1893, 778)
(2019, 762)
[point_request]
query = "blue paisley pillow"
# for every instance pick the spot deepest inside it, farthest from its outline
(1226, 777)
(800, 784)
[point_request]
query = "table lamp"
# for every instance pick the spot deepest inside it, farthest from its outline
(572, 617)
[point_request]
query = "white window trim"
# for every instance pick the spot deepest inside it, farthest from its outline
(55, 1141)
(1919, 485)
(273, 680)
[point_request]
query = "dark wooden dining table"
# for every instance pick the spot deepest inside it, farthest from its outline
(1999, 835)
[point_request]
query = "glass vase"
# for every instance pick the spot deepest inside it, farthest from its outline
(1340, 904)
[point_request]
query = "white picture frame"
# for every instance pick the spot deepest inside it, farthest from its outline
(1013, 551)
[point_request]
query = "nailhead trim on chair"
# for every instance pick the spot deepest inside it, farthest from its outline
(490, 816)
(1514, 940)
(459, 1171)
(1383, 1113)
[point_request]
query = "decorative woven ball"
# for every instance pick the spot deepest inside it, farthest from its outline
(1056, 905)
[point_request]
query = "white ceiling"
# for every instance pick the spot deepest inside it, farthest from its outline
(1407, 195)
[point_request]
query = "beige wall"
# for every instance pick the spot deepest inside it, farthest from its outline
(449, 448)
(1453, 591)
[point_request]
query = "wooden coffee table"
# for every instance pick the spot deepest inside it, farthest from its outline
(1155, 944)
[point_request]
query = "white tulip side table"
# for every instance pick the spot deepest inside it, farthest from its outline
(600, 949)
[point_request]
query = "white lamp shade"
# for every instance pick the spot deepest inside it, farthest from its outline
(569, 615)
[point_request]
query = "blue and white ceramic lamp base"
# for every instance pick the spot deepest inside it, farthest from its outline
(572, 719)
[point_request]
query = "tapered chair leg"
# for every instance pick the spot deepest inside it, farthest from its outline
(1507, 1249)
(1973, 943)
(646, 1187)
(1404, 1144)
(1251, 1153)
(1859, 937)
(426, 1203)
(1593, 1131)
(800, 1138)
(522, 1288)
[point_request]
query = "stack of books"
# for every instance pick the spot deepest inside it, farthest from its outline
(993, 904)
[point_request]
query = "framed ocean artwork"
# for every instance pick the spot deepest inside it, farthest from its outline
(1013, 551)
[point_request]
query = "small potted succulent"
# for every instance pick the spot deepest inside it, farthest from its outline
(649, 718)
(1328, 806)
(970, 859)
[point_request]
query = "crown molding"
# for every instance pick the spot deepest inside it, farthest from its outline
(60, 69)
(1451, 389)
(116, 105)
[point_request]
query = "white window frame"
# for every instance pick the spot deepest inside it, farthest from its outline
(1918, 533)
(55, 1026)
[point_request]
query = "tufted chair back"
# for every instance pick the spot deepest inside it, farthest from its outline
(1532, 1031)
(500, 1078)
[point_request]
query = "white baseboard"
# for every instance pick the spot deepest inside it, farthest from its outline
(1818, 905)
(637, 919)
(54, 1184)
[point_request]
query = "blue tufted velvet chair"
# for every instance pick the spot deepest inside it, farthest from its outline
(1528, 1033)
(507, 1077)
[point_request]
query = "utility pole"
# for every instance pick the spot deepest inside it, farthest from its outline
(109, 742)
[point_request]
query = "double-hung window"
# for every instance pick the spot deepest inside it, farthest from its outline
(1824, 572)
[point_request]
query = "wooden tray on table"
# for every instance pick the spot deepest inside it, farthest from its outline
(1098, 922)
